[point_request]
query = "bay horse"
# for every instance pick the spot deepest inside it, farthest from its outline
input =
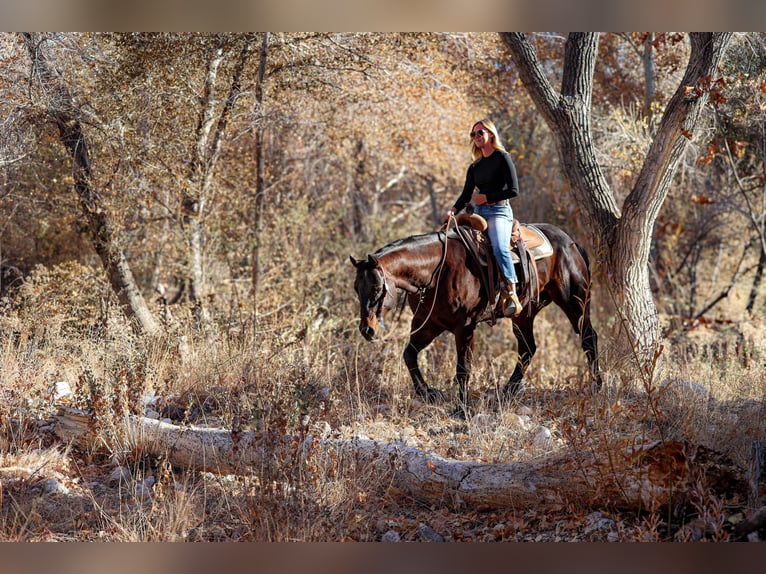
(445, 292)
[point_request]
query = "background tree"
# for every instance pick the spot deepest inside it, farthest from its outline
(734, 162)
(622, 237)
(60, 107)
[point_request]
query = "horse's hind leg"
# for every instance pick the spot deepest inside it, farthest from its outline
(419, 341)
(464, 346)
(525, 337)
(590, 346)
(578, 312)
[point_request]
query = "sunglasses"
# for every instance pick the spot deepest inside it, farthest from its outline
(478, 133)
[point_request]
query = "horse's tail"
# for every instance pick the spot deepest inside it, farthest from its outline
(584, 254)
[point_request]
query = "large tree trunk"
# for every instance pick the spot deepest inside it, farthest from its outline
(637, 477)
(101, 225)
(622, 240)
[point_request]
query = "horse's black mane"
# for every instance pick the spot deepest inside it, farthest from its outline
(413, 241)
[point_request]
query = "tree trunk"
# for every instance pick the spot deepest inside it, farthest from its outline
(211, 129)
(646, 476)
(622, 240)
(195, 196)
(260, 186)
(435, 215)
(754, 288)
(360, 203)
(649, 72)
(101, 225)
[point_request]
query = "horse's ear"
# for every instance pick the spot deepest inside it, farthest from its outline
(373, 260)
(354, 262)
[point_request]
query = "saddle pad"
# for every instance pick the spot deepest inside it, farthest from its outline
(536, 241)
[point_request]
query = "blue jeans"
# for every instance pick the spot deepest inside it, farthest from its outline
(499, 227)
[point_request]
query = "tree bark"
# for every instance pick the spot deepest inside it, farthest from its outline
(260, 167)
(755, 286)
(360, 203)
(211, 130)
(622, 238)
(637, 477)
(101, 225)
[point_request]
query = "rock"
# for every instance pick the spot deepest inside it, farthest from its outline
(595, 521)
(144, 489)
(543, 438)
(483, 422)
(152, 414)
(120, 475)
(391, 536)
(517, 421)
(149, 399)
(61, 391)
(428, 534)
(686, 387)
(325, 430)
(54, 486)
(45, 426)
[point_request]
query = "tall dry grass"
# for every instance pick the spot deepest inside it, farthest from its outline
(300, 369)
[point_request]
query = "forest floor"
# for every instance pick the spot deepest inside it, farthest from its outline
(710, 395)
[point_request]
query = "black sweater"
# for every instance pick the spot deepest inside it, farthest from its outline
(494, 176)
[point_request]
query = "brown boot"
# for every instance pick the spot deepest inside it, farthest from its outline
(511, 305)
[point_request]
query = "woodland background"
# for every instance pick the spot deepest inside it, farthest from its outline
(232, 176)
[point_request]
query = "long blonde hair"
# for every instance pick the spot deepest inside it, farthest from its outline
(490, 127)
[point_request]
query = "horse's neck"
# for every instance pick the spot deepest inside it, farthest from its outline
(412, 265)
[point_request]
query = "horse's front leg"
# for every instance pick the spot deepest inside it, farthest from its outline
(419, 340)
(525, 337)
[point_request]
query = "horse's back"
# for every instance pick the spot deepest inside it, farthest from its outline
(561, 240)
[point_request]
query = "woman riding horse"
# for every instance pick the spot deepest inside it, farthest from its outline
(444, 290)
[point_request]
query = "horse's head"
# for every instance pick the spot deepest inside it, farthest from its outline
(376, 294)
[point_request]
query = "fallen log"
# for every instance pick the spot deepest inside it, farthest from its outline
(638, 476)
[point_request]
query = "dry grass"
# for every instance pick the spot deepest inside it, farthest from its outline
(303, 373)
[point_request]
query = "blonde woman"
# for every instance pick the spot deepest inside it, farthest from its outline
(490, 184)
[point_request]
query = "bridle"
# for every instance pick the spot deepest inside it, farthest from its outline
(378, 303)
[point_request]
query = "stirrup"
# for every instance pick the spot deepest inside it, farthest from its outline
(512, 306)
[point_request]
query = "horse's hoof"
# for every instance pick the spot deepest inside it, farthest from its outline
(435, 396)
(431, 396)
(595, 387)
(513, 389)
(495, 398)
(460, 413)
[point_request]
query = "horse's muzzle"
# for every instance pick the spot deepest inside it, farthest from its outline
(370, 325)
(367, 331)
